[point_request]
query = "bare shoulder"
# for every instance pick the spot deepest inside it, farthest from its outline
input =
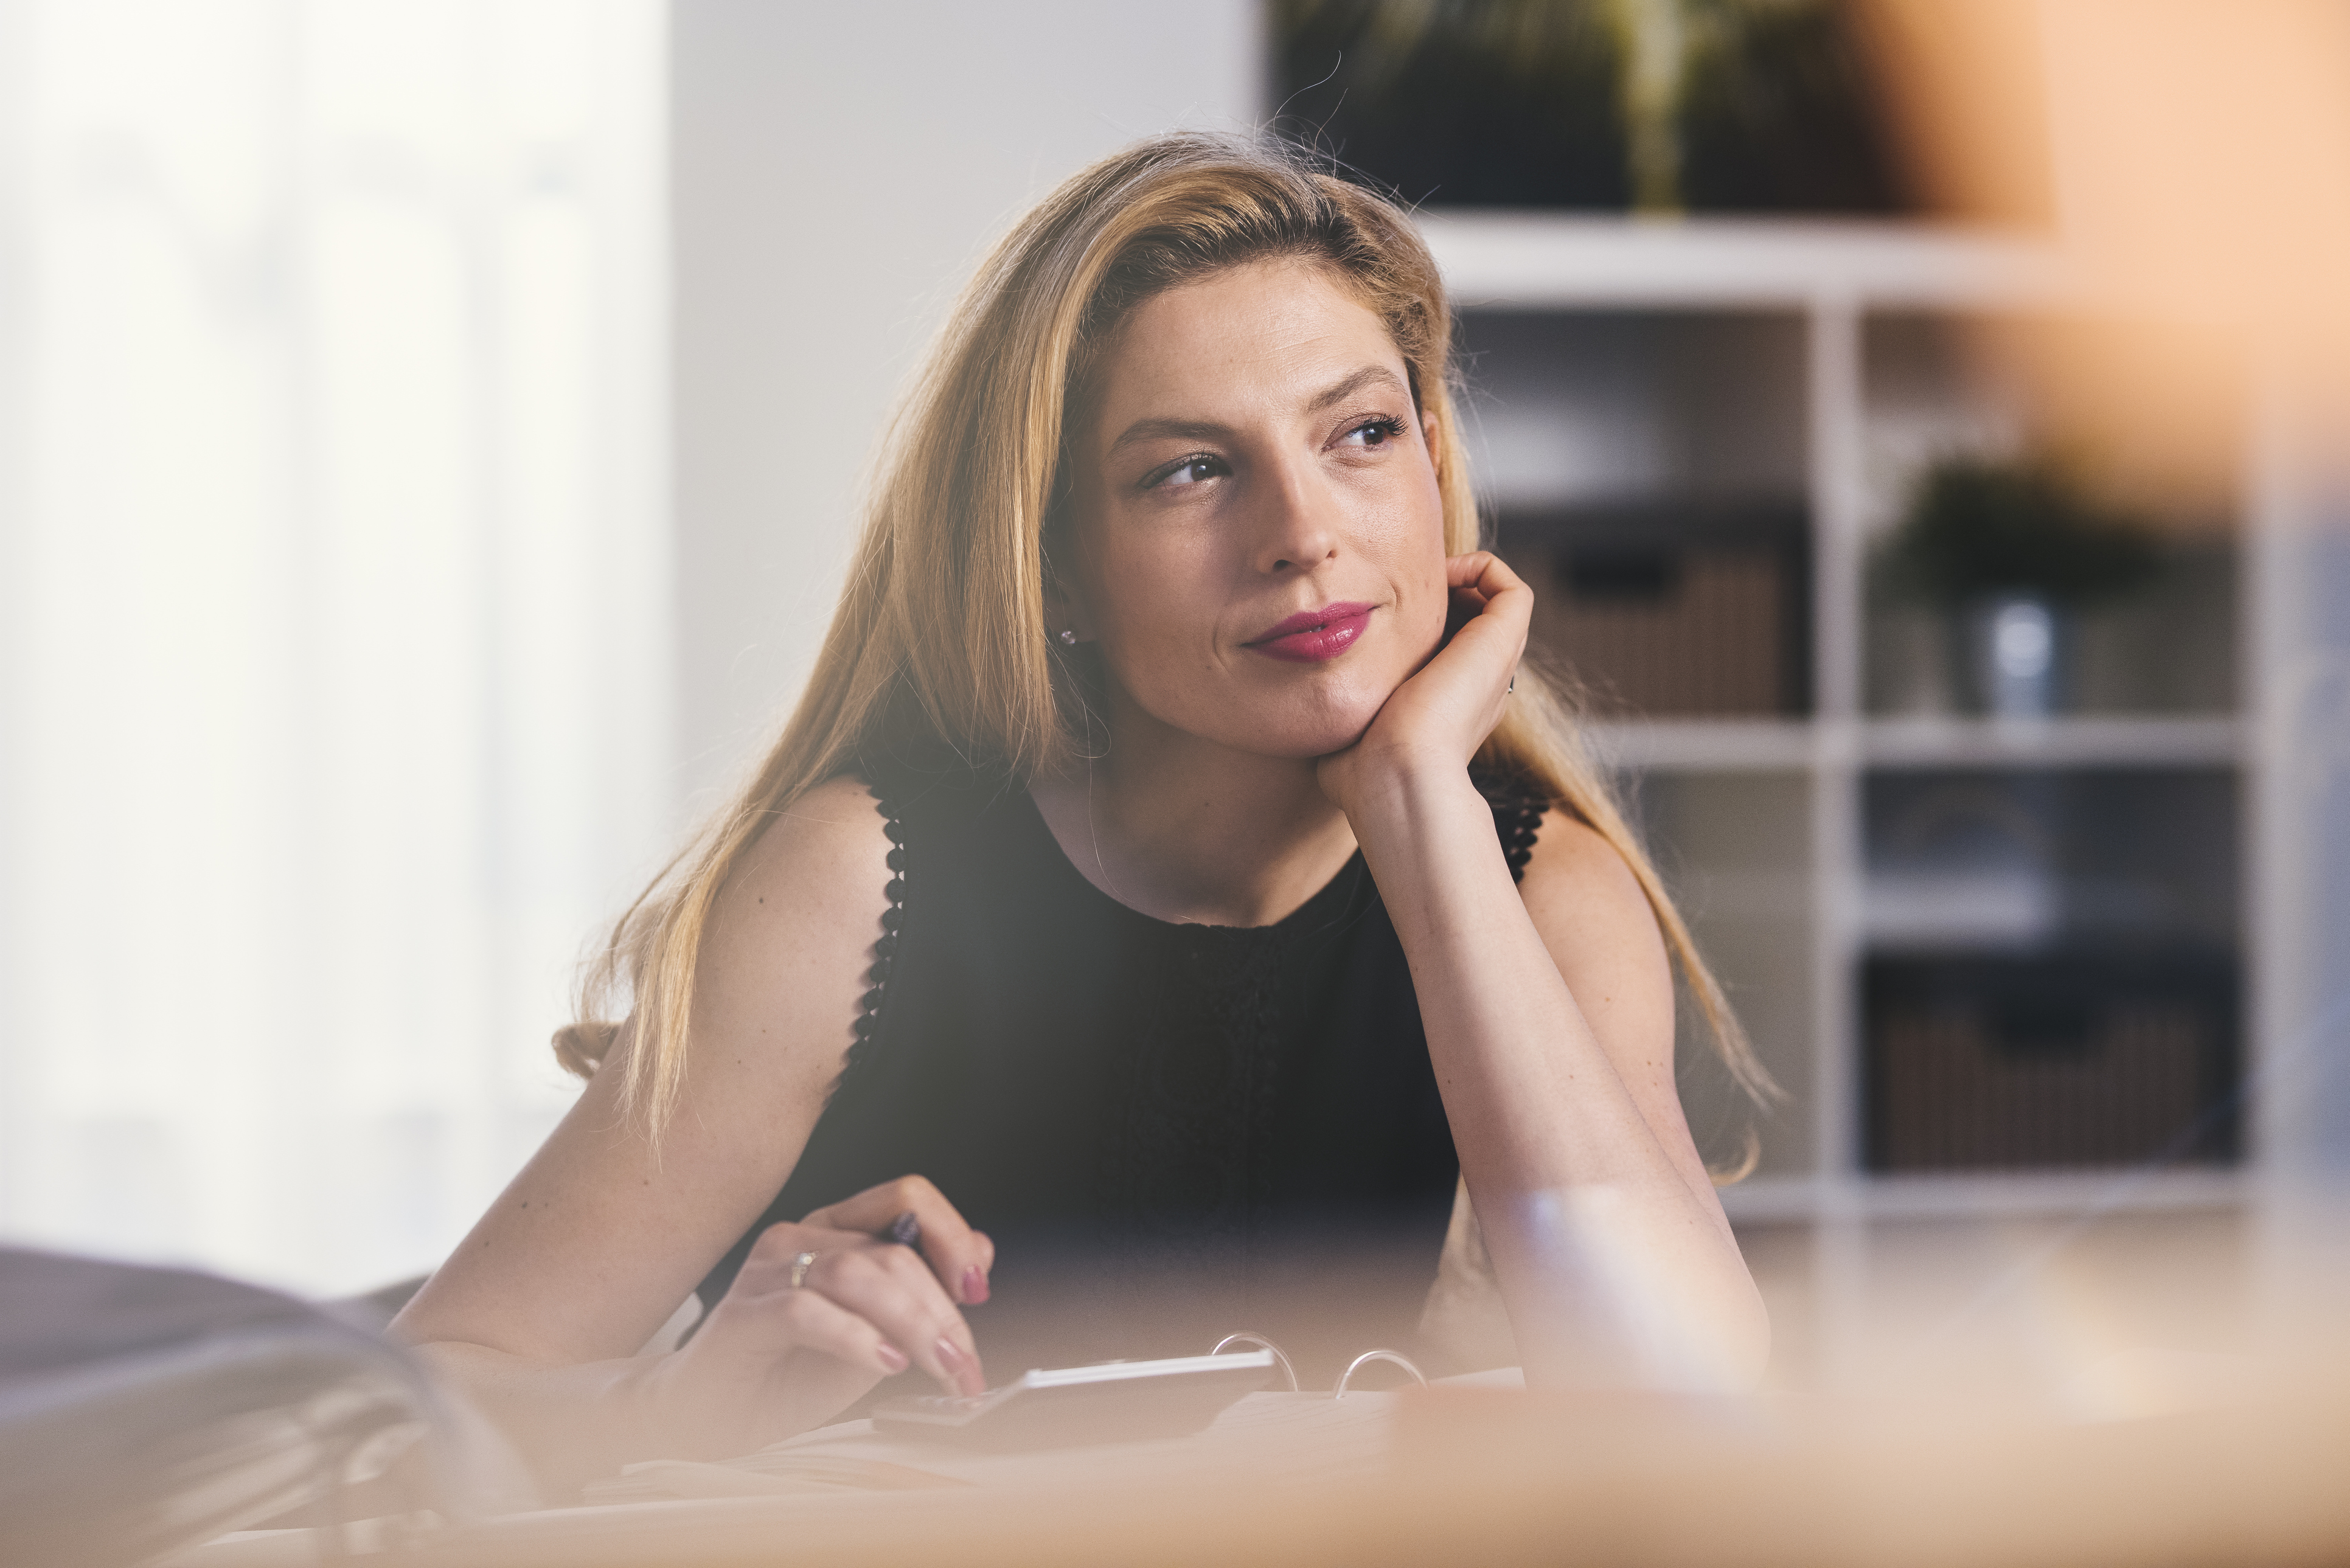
(1595, 920)
(789, 939)
(1576, 874)
(825, 848)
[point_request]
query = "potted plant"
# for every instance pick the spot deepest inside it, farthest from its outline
(2010, 550)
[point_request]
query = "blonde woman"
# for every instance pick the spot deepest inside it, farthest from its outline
(1172, 891)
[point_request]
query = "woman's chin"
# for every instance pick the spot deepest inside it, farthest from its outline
(1294, 727)
(1307, 741)
(1292, 741)
(1332, 724)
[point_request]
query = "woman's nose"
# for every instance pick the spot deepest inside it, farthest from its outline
(1298, 523)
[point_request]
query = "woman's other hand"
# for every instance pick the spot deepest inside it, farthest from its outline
(1436, 719)
(775, 1358)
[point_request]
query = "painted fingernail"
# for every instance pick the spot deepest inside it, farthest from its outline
(960, 1369)
(891, 1356)
(975, 1285)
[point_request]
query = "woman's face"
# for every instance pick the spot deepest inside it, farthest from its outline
(1259, 537)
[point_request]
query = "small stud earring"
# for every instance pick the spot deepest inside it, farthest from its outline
(1068, 637)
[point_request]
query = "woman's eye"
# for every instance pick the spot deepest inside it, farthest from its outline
(1374, 433)
(1190, 470)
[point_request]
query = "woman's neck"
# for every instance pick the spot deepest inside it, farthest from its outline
(1182, 829)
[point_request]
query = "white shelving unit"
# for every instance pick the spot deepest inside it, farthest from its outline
(1765, 745)
(1835, 277)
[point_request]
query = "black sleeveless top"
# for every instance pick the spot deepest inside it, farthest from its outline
(1171, 1132)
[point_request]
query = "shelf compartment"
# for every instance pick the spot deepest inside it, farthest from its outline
(1979, 384)
(1671, 609)
(2026, 859)
(1648, 475)
(2171, 650)
(1607, 409)
(2043, 1061)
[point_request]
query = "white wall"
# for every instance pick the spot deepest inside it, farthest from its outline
(837, 170)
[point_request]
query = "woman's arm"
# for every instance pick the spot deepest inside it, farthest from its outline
(1550, 1024)
(597, 1241)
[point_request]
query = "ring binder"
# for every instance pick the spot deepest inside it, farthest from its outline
(1246, 1336)
(1369, 1355)
(1249, 1336)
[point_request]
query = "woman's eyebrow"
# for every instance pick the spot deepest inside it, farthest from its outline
(1170, 429)
(1338, 391)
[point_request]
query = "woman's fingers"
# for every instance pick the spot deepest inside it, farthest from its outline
(806, 1320)
(908, 1294)
(1464, 571)
(1481, 577)
(891, 1286)
(960, 1257)
(895, 1292)
(1504, 609)
(1496, 603)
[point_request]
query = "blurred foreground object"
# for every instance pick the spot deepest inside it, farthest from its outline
(2200, 156)
(2087, 1398)
(142, 1410)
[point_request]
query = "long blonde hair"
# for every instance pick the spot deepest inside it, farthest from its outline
(941, 632)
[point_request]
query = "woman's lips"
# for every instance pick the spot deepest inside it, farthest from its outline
(1314, 636)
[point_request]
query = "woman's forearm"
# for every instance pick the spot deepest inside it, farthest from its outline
(571, 1425)
(1604, 1248)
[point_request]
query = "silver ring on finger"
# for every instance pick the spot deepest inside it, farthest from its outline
(801, 1264)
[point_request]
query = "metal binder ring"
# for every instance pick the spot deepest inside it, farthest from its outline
(1368, 1356)
(1261, 1343)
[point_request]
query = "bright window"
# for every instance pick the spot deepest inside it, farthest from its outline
(333, 586)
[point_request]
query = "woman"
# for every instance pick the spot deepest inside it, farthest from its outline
(1170, 862)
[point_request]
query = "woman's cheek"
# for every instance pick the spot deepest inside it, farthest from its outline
(1423, 628)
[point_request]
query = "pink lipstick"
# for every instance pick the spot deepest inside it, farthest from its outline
(1313, 636)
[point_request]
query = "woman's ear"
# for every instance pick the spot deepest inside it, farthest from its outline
(1064, 607)
(1060, 615)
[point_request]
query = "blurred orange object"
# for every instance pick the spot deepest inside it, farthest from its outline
(2195, 156)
